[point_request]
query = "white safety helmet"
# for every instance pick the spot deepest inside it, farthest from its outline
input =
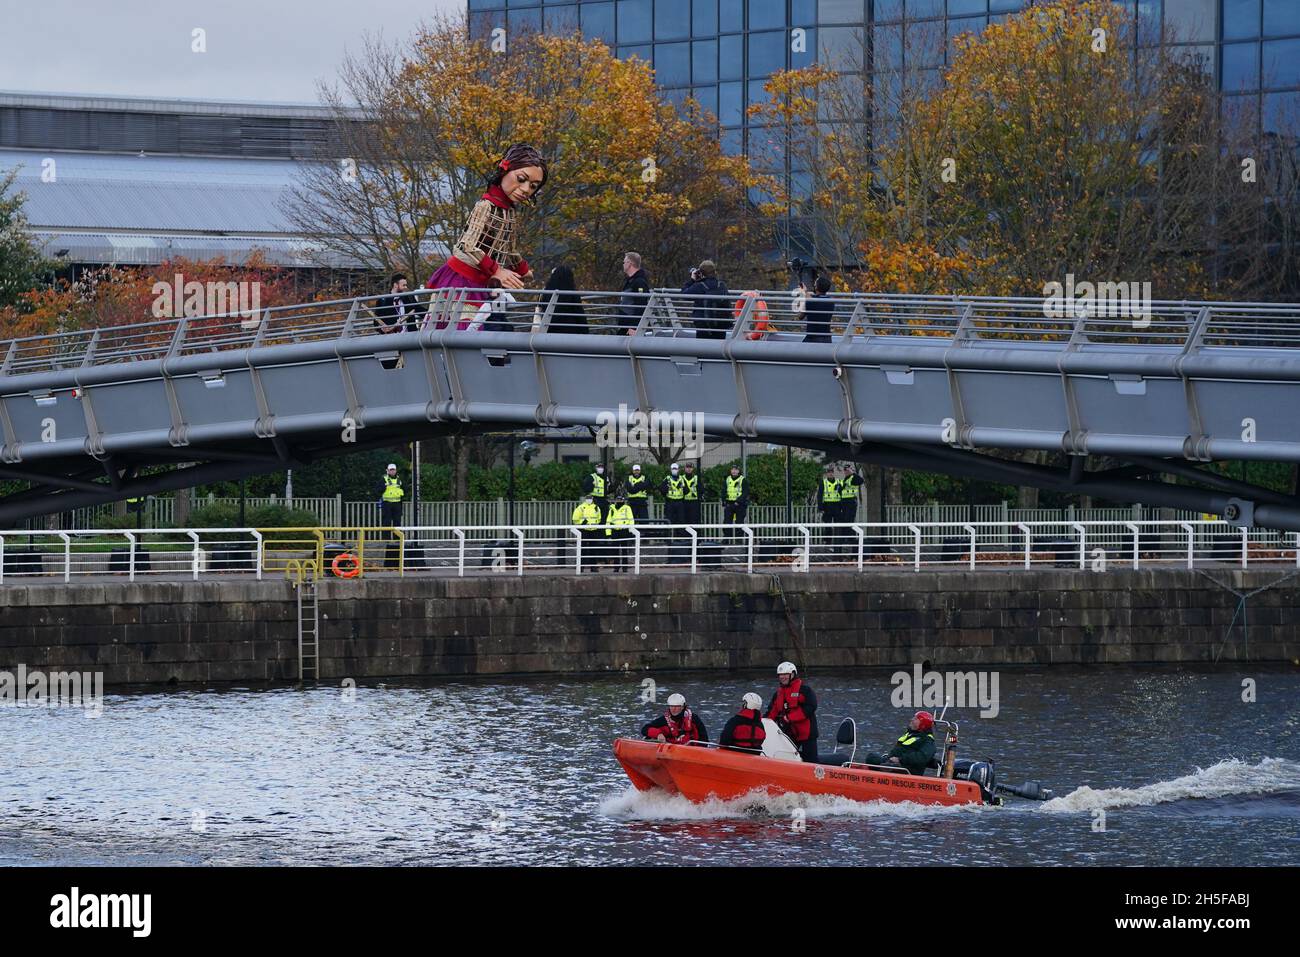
(752, 701)
(392, 466)
(676, 699)
(786, 668)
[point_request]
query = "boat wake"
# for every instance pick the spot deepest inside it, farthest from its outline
(1227, 779)
(634, 805)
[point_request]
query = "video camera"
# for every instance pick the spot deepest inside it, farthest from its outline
(805, 272)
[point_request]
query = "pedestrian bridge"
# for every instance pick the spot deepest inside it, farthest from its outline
(924, 382)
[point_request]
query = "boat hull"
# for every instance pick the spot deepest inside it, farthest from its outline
(701, 774)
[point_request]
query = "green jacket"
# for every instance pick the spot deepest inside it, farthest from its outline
(914, 750)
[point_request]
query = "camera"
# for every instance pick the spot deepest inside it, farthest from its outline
(805, 271)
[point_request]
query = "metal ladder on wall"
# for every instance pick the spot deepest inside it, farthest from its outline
(303, 576)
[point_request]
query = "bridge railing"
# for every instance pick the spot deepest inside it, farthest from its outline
(1094, 547)
(740, 314)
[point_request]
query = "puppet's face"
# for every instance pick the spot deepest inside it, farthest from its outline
(520, 184)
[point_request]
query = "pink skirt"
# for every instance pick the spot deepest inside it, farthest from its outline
(464, 309)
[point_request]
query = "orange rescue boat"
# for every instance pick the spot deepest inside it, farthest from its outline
(701, 772)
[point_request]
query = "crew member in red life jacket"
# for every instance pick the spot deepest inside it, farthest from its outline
(677, 725)
(794, 708)
(744, 732)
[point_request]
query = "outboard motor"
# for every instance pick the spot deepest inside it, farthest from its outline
(981, 772)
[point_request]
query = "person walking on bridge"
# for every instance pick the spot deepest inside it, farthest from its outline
(487, 255)
(636, 286)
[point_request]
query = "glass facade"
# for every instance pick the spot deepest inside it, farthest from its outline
(722, 51)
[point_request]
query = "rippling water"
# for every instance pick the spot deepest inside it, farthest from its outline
(520, 772)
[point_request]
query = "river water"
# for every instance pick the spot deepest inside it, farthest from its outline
(1150, 766)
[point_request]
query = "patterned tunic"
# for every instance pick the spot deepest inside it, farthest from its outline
(489, 240)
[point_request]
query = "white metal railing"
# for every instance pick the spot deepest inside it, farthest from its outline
(992, 521)
(755, 547)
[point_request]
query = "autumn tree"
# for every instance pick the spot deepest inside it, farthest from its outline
(22, 267)
(1052, 143)
(423, 122)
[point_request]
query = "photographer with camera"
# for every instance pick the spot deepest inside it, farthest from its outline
(710, 314)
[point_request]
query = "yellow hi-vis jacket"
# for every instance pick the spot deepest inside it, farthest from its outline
(392, 489)
(619, 515)
(587, 513)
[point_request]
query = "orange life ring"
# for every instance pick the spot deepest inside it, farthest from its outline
(354, 568)
(761, 325)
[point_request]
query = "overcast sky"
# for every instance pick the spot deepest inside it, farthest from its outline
(262, 50)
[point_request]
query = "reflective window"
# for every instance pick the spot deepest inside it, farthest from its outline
(704, 61)
(803, 13)
(598, 21)
(731, 57)
(641, 53)
(486, 4)
(841, 11)
(634, 21)
(707, 97)
(731, 104)
(1240, 66)
(733, 141)
(957, 8)
(678, 99)
(766, 15)
(524, 21)
(1190, 20)
(1005, 6)
(889, 10)
(919, 9)
(560, 20)
(673, 64)
(1281, 17)
(731, 16)
(704, 17)
(1281, 113)
(672, 21)
(1240, 19)
(766, 53)
(756, 92)
(1281, 63)
(924, 44)
(1199, 56)
(840, 48)
(523, 3)
(888, 49)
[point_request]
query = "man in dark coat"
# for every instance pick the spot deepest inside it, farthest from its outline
(631, 305)
(710, 314)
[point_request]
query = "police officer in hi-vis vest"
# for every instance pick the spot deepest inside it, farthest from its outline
(637, 488)
(390, 498)
(735, 502)
(597, 486)
(691, 496)
(673, 489)
(849, 485)
(828, 500)
(588, 519)
(391, 494)
(619, 520)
